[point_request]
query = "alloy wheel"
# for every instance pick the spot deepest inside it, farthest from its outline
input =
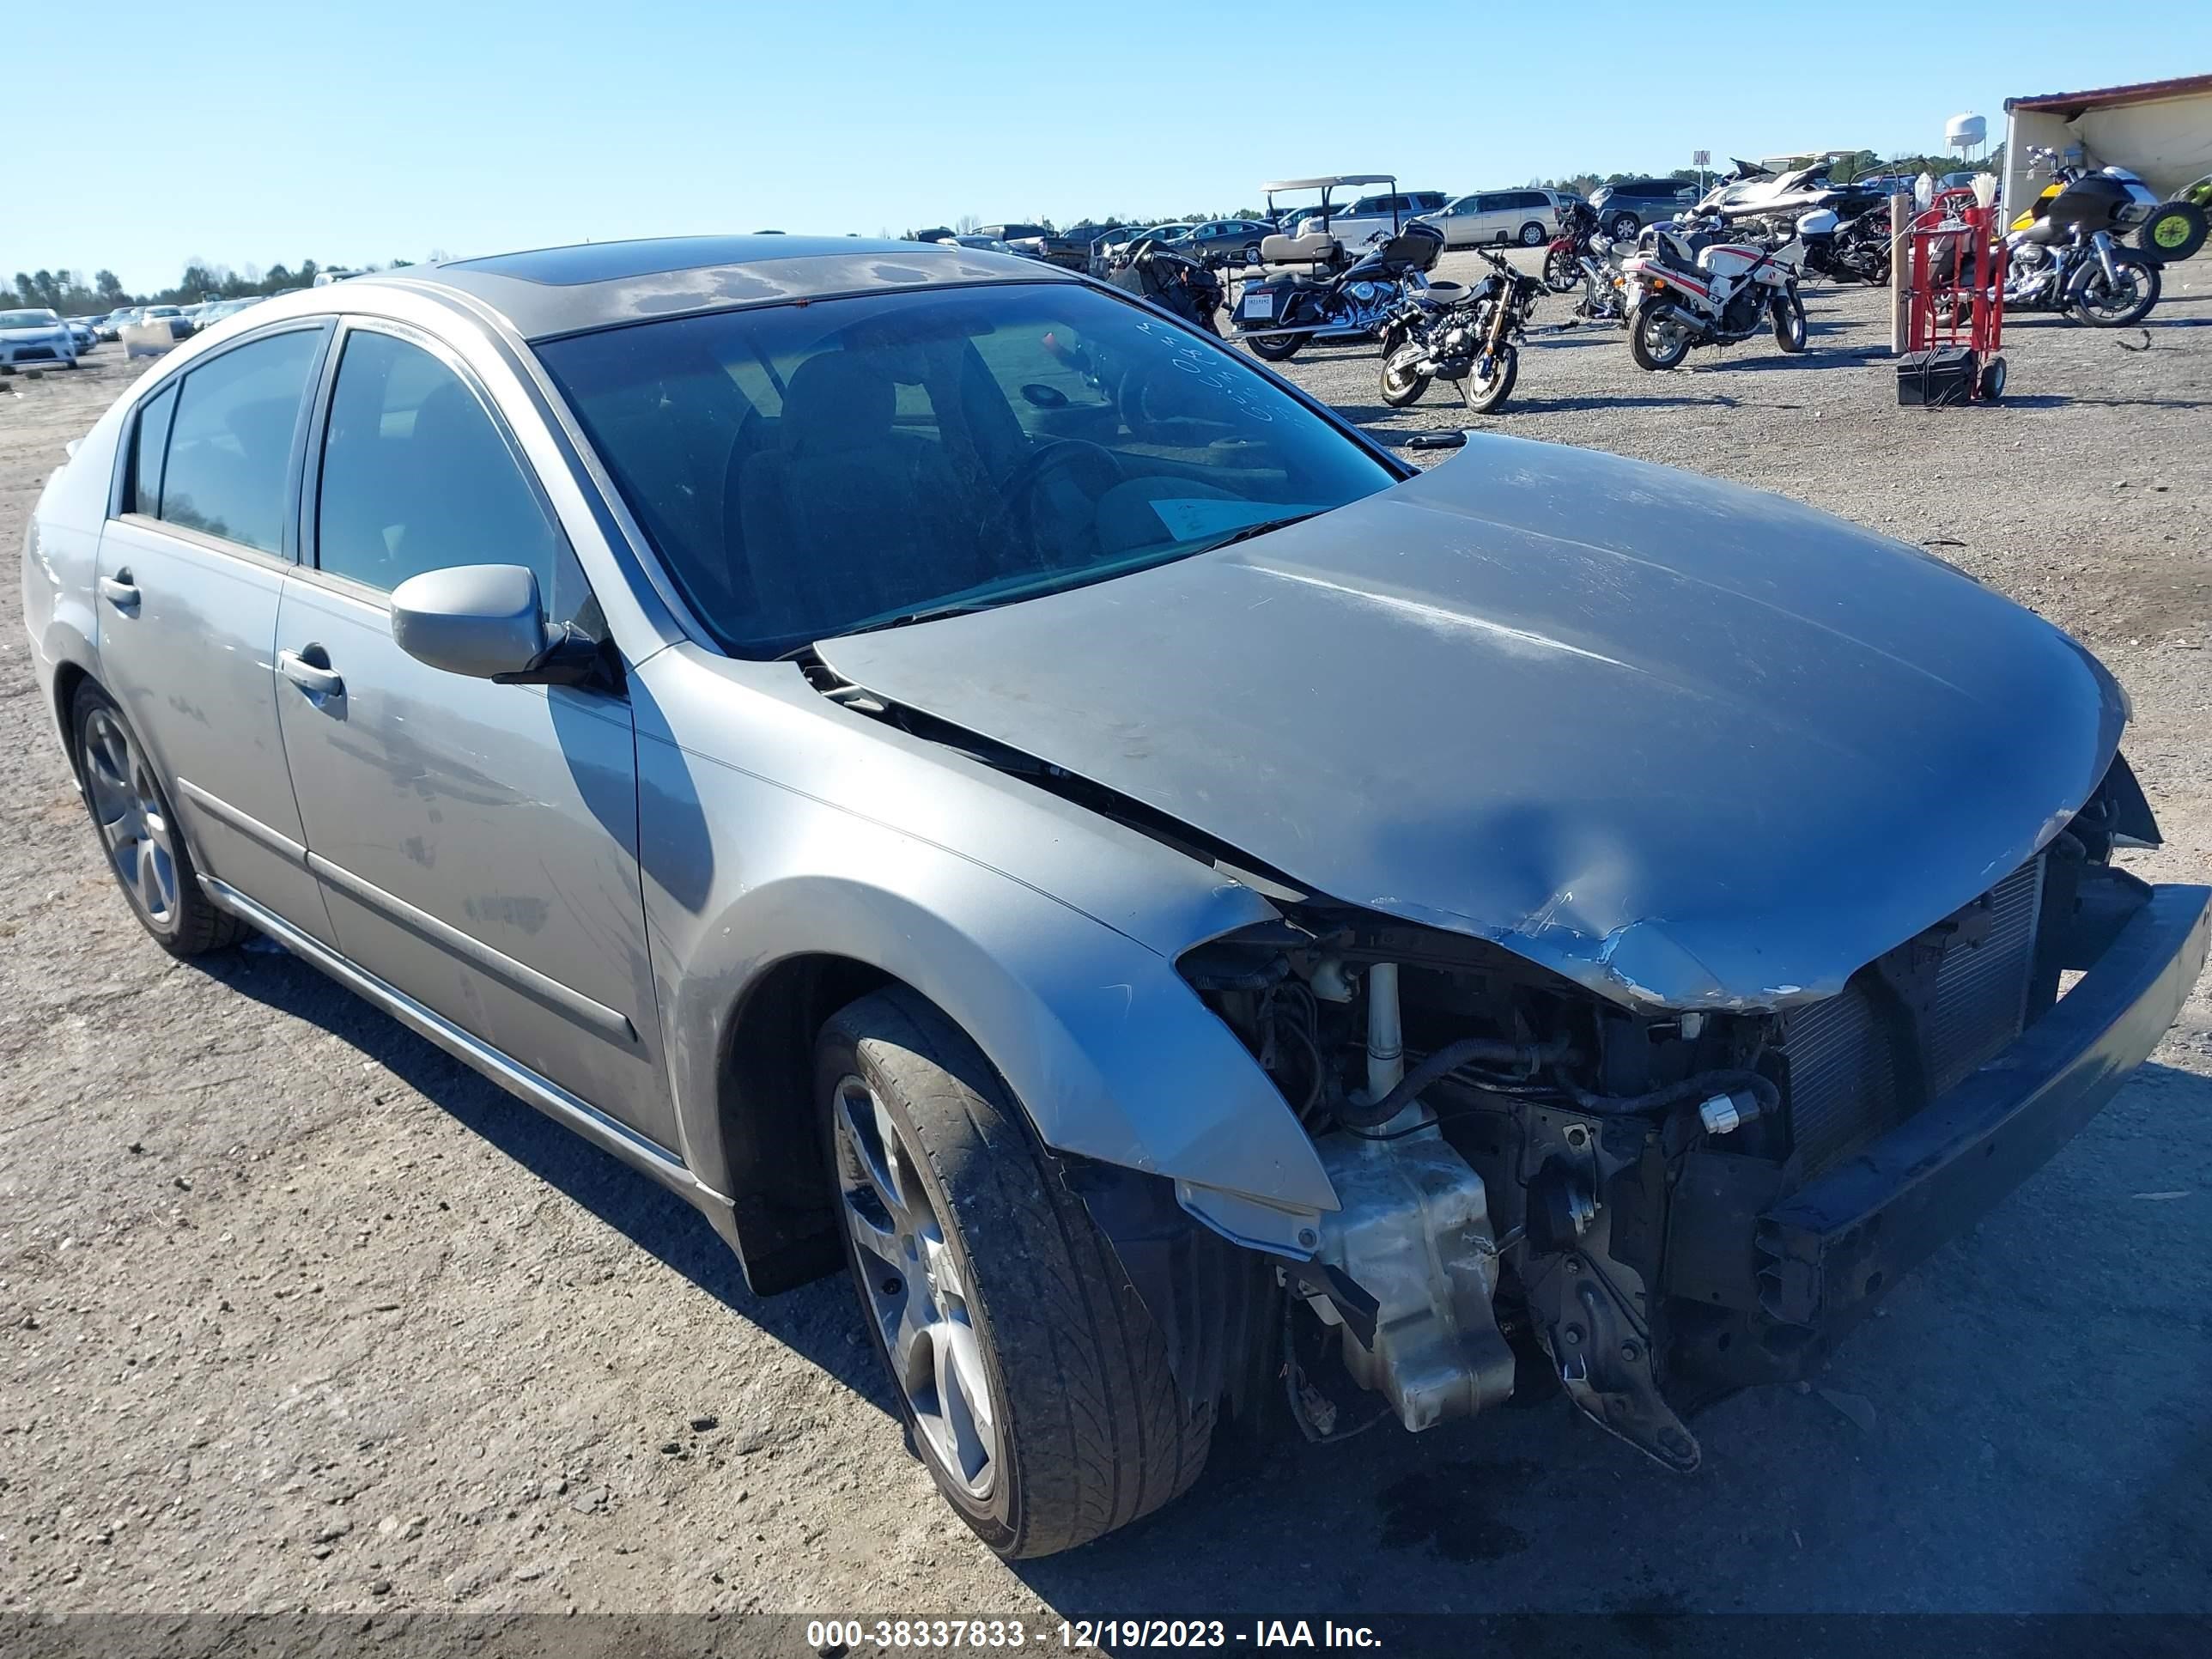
(915, 1291)
(132, 819)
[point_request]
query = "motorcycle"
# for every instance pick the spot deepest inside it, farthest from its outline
(1473, 342)
(2065, 254)
(1181, 287)
(1277, 316)
(1563, 256)
(1687, 287)
(1847, 250)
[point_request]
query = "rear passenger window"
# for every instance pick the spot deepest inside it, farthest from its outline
(147, 447)
(417, 475)
(230, 441)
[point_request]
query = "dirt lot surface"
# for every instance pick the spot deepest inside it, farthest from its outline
(294, 1312)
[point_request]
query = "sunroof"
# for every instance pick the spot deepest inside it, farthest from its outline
(611, 262)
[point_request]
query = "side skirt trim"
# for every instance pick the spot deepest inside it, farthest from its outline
(518, 1080)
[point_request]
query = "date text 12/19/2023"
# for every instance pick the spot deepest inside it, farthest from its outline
(831, 1636)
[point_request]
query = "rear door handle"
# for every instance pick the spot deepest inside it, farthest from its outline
(315, 681)
(119, 590)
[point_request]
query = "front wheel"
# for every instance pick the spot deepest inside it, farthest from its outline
(1402, 382)
(1789, 323)
(1490, 382)
(1561, 274)
(2100, 304)
(1032, 1380)
(1655, 339)
(2175, 230)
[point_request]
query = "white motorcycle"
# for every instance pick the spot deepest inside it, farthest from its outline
(1686, 286)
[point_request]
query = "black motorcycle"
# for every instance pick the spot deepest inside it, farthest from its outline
(1470, 337)
(1844, 248)
(1182, 288)
(2065, 250)
(1351, 300)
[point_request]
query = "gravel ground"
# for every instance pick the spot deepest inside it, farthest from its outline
(298, 1313)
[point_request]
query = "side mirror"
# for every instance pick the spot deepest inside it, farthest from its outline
(485, 621)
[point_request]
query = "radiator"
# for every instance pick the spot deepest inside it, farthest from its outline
(1844, 1084)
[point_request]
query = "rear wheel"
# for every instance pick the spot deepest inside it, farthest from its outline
(137, 830)
(1032, 1380)
(1532, 234)
(1624, 228)
(1655, 339)
(1490, 382)
(1280, 349)
(1402, 382)
(2122, 304)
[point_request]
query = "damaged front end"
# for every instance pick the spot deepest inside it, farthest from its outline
(1657, 1206)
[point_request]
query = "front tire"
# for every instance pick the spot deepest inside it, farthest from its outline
(1485, 393)
(1031, 1378)
(1654, 341)
(137, 829)
(2098, 305)
(1561, 274)
(2175, 230)
(1789, 323)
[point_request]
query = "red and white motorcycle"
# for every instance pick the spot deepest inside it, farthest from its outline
(1688, 285)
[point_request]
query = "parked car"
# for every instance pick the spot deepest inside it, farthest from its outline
(181, 327)
(1530, 217)
(1126, 236)
(35, 336)
(1625, 208)
(969, 238)
(1027, 240)
(110, 326)
(1217, 242)
(825, 737)
(1370, 218)
(82, 331)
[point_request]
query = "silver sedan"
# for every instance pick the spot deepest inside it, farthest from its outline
(957, 774)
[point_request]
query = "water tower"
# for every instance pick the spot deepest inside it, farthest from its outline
(1966, 134)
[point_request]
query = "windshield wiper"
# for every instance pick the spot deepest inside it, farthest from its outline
(904, 619)
(1264, 527)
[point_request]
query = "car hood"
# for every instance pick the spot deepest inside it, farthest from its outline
(1688, 744)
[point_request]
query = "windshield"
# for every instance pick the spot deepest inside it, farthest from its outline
(27, 320)
(807, 471)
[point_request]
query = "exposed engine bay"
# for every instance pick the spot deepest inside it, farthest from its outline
(1536, 1180)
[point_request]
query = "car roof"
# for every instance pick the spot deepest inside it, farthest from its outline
(548, 292)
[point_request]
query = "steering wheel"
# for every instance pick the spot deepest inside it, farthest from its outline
(1072, 455)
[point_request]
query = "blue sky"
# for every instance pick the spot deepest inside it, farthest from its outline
(259, 132)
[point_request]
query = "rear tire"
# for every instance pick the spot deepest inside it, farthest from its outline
(1279, 349)
(1532, 234)
(1651, 348)
(138, 833)
(1012, 1298)
(1401, 384)
(1625, 228)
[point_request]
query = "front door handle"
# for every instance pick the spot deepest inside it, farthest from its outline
(310, 678)
(119, 590)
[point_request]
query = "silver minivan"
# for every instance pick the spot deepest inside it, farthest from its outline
(1530, 217)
